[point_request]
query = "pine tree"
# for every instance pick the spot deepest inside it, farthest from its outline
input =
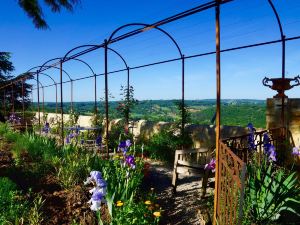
(34, 10)
(8, 93)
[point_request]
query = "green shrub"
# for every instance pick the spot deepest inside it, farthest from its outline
(73, 166)
(135, 214)
(12, 207)
(270, 191)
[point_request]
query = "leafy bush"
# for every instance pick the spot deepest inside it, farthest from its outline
(136, 214)
(12, 207)
(72, 166)
(270, 191)
(163, 145)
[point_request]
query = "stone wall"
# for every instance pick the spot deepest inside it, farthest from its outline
(292, 116)
(202, 135)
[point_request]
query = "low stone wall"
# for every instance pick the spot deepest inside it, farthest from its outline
(202, 135)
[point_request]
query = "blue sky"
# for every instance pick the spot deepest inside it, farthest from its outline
(242, 22)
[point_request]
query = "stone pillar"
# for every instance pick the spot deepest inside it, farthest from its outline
(292, 121)
(292, 115)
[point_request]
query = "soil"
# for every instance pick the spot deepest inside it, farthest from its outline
(61, 207)
(184, 206)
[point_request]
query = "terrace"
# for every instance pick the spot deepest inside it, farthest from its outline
(247, 176)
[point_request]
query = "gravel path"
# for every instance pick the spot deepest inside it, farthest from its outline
(182, 207)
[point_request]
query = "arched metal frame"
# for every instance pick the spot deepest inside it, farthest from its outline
(43, 97)
(61, 60)
(108, 41)
(65, 58)
(55, 84)
(38, 71)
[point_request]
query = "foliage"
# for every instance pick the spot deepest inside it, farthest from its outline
(34, 10)
(122, 181)
(72, 166)
(270, 191)
(35, 216)
(6, 68)
(234, 112)
(136, 214)
(127, 102)
(96, 121)
(73, 118)
(12, 207)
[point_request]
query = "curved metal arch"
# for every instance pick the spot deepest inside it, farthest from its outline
(54, 67)
(73, 49)
(121, 57)
(65, 58)
(47, 75)
(84, 62)
(83, 46)
(55, 83)
(281, 35)
(146, 27)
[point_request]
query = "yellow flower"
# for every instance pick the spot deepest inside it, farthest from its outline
(148, 202)
(120, 203)
(157, 214)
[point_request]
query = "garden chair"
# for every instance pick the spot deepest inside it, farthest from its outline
(192, 162)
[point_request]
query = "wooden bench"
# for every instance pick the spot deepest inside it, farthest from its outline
(192, 162)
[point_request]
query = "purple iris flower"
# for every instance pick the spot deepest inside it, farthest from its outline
(251, 139)
(272, 153)
(13, 118)
(101, 183)
(211, 165)
(122, 144)
(71, 135)
(98, 140)
(296, 151)
(82, 141)
(128, 143)
(97, 196)
(130, 161)
(67, 140)
(46, 128)
(96, 175)
(267, 143)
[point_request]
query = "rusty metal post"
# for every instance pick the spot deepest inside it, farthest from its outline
(72, 109)
(56, 105)
(218, 108)
(38, 98)
(106, 96)
(61, 103)
(23, 103)
(95, 89)
(128, 93)
(43, 105)
(182, 96)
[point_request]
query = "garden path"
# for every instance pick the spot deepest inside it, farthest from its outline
(185, 207)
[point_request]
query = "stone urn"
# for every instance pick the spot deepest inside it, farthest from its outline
(281, 84)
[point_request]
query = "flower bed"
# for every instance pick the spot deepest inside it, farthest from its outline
(54, 176)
